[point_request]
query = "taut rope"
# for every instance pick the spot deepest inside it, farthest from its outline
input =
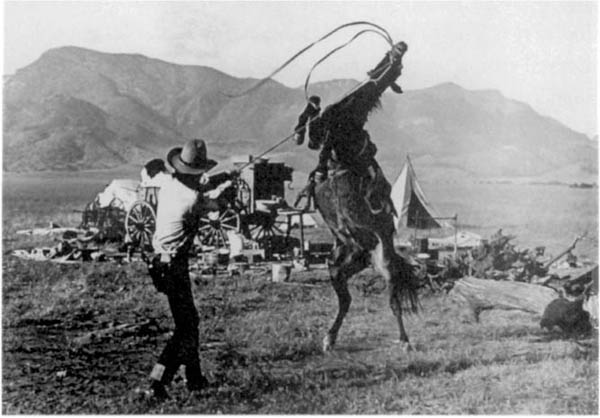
(378, 30)
(333, 51)
(385, 35)
(311, 120)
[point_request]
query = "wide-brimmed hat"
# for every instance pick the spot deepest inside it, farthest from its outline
(191, 159)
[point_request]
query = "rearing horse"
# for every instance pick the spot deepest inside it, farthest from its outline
(346, 199)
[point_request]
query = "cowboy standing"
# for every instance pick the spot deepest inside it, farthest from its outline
(181, 200)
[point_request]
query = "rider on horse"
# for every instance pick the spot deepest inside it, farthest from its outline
(345, 144)
(357, 155)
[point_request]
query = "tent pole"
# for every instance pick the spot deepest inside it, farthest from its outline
(455, 235)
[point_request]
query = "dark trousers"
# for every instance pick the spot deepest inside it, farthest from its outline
(183, 346)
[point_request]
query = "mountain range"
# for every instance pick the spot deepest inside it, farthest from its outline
(78, 109)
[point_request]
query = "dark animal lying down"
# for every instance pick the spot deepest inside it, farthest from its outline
(569, 316)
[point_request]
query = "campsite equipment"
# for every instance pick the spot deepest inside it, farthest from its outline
(414, 212)
(280, 272)
(252, 206)
(140, 224)
(255, 206)
(223, 256)
(237, 268)
(140, 221)
(105, 215)
(211, 259)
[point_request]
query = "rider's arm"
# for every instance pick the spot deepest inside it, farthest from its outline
(324, 156)
(311, 110)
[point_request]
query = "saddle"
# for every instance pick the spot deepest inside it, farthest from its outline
(376, 191)
(374, 188)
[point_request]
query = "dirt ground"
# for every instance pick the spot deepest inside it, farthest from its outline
(82, 339)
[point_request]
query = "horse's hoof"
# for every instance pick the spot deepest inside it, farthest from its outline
(328, 343)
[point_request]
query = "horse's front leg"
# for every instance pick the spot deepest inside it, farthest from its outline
(345, 264)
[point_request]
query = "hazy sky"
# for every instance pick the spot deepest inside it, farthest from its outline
(543, 53)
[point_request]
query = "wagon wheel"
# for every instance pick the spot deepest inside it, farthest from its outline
(266, 229)
(140, 224)
(213, 228)
(264, 225)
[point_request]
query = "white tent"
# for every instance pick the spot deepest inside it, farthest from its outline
(414, 211)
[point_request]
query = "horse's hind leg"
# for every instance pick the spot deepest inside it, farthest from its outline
(346, 263)
(391, 266)
(396, 305)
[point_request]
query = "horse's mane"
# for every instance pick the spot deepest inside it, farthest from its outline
(356, 107)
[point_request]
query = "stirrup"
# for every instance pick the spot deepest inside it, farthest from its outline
(304, 194)
(368, 198)
(307, 193)
(374, 211)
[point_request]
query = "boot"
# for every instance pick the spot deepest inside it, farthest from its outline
(376, 205)
(198, 384)
(306, 193)
(196, 381)
(159, 392)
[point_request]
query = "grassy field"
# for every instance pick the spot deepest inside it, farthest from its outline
(260, 341)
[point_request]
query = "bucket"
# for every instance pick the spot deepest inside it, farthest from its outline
(280, 272)
(223, 256)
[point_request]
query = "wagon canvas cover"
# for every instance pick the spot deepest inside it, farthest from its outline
(125, 190)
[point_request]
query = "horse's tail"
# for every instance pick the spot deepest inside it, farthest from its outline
(399, 273)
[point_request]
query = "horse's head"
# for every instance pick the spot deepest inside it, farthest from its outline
(389, 68)
(348, 116)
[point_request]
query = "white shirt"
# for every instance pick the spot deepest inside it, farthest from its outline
(155, 181)
(177, 216)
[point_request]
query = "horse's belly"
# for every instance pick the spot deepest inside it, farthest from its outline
(342, 204)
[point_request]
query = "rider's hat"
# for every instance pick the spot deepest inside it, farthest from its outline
(191, 159)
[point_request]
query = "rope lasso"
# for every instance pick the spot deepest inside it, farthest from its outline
(385, 35)
(330, 53)
(378, 30)
(311, 120)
